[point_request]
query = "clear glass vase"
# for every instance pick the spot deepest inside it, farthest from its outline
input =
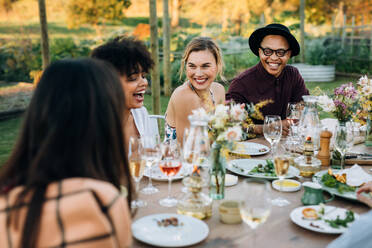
(217, 173)
(310, 125)
(368, 141)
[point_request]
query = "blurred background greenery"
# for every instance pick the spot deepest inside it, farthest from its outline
(337, 32)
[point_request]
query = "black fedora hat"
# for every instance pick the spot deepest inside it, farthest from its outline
(275, 29)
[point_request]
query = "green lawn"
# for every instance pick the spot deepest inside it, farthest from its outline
(8, 133)
(9, 128)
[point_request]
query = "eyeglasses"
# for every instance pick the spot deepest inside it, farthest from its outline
(268, 52)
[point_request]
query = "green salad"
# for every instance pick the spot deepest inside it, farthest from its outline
(336, 223)
(331, 182)
(267, 169)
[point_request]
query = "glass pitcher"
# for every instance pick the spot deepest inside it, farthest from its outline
(196, 146)
(310, 125)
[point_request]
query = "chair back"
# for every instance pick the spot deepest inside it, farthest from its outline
(157, 124)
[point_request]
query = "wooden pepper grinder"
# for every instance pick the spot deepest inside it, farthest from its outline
(324, 153)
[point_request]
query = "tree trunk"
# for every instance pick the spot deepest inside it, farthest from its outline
(302, 26)
(44, 33)
(166, 50)
(155, 77)
(176, 5)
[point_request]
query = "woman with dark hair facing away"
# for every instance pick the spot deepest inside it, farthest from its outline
(132, 60)
(61, 185)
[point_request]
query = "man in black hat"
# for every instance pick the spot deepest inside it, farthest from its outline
(271, 78)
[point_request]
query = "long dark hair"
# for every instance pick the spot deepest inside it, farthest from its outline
(72, 128)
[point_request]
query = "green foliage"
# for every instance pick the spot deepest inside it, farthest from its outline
(18, 58)
(327, 51)
(322, 52)
(95, 11)
(236, 63)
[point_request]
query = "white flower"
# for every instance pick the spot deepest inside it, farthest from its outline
(218, 123)
(221, 111)
(200, 113)
(326, 103)
(238, 112)
(231, 134)
(363, 80)
(366, 90)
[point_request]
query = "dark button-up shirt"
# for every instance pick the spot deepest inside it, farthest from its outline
(256, 84)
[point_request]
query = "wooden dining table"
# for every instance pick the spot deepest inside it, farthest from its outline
(278, 231)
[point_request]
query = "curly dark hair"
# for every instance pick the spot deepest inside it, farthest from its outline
(126, 54)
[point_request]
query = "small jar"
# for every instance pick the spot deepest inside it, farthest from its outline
(229, 212)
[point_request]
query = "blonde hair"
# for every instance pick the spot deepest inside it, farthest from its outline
(201, 44)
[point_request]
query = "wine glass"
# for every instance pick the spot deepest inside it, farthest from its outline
(170, 164)
(293, 116)
(255, 206)
(272, 130)
(281, 165)
(152, 154)
(136, 167)
(344, 140)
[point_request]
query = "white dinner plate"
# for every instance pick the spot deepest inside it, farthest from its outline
(189, 232)
(244, 166)
(156, 174)
(250, 148)
(320, 225)
(317, 178)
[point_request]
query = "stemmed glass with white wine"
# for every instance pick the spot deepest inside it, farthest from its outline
(152, 154)
(272, 130)
(136, 167)
(344, 140)
(255, 206)
(281, 165)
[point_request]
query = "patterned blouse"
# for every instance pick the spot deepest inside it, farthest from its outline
(77, 212)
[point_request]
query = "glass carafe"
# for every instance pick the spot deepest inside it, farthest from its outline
(195, 203)
(309, 129)
(196, 147)
(309, 125)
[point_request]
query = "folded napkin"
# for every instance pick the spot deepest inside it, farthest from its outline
(355, 176)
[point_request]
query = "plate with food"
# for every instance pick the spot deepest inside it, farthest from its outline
(335, 183)
(323, 219)
(157, 175)
(259, 168)
(246, 148)
(170, 230)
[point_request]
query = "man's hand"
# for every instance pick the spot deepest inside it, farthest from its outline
(285, 127)
(258, 129)
(366, 198)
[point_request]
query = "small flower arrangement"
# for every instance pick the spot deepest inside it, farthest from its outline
(343, 103)
(231, 122)
(226, 124)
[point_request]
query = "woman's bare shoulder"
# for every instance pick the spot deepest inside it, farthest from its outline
(217, 87)
(219, 92)
(182, 94)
